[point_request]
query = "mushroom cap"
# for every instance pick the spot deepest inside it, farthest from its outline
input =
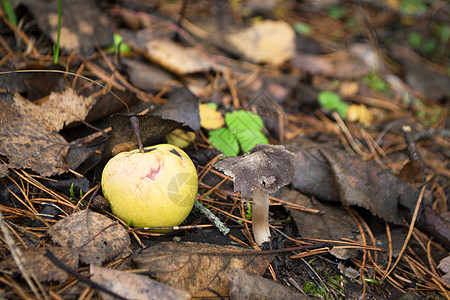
(267, 168)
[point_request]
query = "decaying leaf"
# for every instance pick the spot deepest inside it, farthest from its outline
(134, 286)
(332, 174)
(182, 106)
(153, 130)
(101, 238)
(199, 268)
(333, 224)
(444, 265)
(59, 109)
(28, 142)
(83, 28)
(271, 42)
(248, 286)
(38, 264)
(360, 60)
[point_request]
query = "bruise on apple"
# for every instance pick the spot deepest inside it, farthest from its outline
(154, 170)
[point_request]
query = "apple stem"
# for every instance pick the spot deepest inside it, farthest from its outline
(135, 124)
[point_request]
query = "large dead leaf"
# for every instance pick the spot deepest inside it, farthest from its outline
(134, 286)
(248, 286)
(38, 264)
(101, 238)
(271, 42)
(332, 174)
(152, 129)
(59, 109)
(28, 142)
(335, 223)
(84, 26)
(199, 268)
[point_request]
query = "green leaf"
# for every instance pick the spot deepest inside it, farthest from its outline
(249, 138)
(223, 140)
(332, 101)
(242, 120)
(337, 12)
(302, 28)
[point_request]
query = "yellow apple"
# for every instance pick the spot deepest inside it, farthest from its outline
(155, 188)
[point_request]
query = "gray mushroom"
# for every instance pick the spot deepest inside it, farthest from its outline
(262, 172)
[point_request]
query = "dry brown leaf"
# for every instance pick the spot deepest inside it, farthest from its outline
(248, 286)
(199, 268)
(59, 109)
(444, 265)
(332, 174)
(29, 143)
(38, 264)
(176, 57)
(87, 228)
(134, 286)
(271, 42)
(83, 27)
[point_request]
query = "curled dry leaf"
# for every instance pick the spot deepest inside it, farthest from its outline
(134, 286)
(38, 264)
(198, 268)
(176, 57)
(101, 238)
(29, 142)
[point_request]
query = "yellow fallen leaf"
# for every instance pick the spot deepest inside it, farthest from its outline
(180, 138)
(360, 114)
(210, 118)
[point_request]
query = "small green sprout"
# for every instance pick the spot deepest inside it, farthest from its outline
(248, 211)
(119, 45)
(71, 192)
(129, 224)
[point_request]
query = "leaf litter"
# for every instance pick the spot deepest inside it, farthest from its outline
(354, 198)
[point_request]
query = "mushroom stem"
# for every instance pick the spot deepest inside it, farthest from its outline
(260, 216)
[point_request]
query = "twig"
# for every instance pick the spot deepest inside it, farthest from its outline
(222, 227)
